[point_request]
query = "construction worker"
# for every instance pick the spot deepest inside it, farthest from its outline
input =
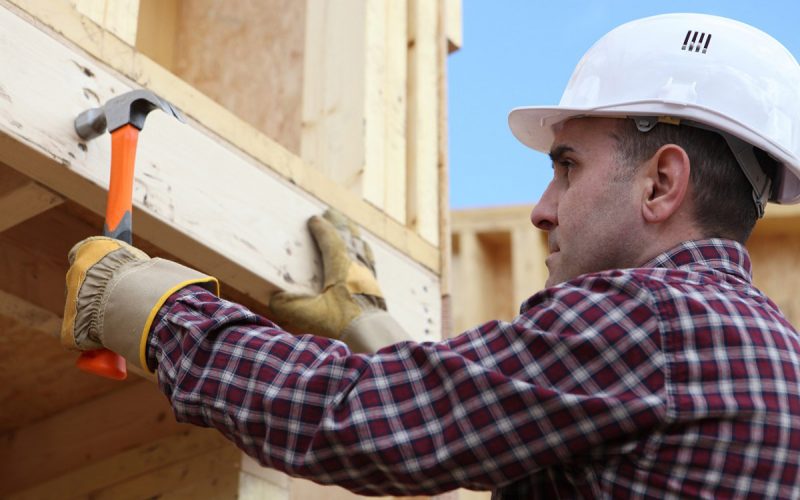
(649, 366)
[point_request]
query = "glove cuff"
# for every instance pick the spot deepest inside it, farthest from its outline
(373, 330)
(134, 298)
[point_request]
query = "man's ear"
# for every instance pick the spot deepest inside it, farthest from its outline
(667, 183)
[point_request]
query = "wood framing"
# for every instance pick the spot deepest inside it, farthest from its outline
(498, 261)
(141, 70)
(454, 25)
(423, 115)
(293, 107)
(241, 222)
(355, 80)
(117, 16)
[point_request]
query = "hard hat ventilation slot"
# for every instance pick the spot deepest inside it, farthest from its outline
(696, 41)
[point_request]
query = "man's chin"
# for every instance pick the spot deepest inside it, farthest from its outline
(553, 276)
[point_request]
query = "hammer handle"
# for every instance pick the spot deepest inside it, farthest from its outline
(119, 209)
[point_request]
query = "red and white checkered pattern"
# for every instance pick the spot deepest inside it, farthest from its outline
(677, 379)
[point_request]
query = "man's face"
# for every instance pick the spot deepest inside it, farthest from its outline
(591, 208)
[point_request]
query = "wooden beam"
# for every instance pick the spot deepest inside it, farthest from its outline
(443, 176)
(467, 287)
(454, 23)
(156, 31)
(354, 100)
(423, 119)
(22, 198)
(117, 16)
(333, 91)
(267, 154)
(385, 127)
(195, 197)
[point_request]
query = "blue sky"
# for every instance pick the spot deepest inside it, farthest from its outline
(522, 52)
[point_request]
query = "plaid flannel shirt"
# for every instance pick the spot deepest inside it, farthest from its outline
(677, 379)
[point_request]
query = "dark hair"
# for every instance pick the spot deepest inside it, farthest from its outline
(723, 200)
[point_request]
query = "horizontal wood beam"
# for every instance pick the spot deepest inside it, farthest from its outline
(217, 208)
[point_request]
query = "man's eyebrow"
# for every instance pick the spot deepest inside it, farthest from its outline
(559, 151)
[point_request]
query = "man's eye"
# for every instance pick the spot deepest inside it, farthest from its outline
(566, 163)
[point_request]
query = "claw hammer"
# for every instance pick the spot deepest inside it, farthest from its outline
(123, 116)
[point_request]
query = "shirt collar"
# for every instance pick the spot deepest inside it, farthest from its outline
(722, 255)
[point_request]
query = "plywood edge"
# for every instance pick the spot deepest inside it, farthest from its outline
(82, 32)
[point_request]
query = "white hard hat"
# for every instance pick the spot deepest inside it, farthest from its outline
(707, 71)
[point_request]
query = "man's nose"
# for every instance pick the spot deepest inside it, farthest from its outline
(545, 214)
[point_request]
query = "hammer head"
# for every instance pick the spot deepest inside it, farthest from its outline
(128, 108)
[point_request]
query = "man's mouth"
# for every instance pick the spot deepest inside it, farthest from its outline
(552, 246)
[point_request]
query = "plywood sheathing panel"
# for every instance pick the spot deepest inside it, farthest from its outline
(265, 39)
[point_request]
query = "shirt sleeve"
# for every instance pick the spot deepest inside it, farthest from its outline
(575, 377)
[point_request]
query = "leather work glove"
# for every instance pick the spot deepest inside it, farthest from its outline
(351, 307)
(113, 294)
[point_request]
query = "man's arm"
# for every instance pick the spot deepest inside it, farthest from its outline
(480, 411)
(577, 377)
